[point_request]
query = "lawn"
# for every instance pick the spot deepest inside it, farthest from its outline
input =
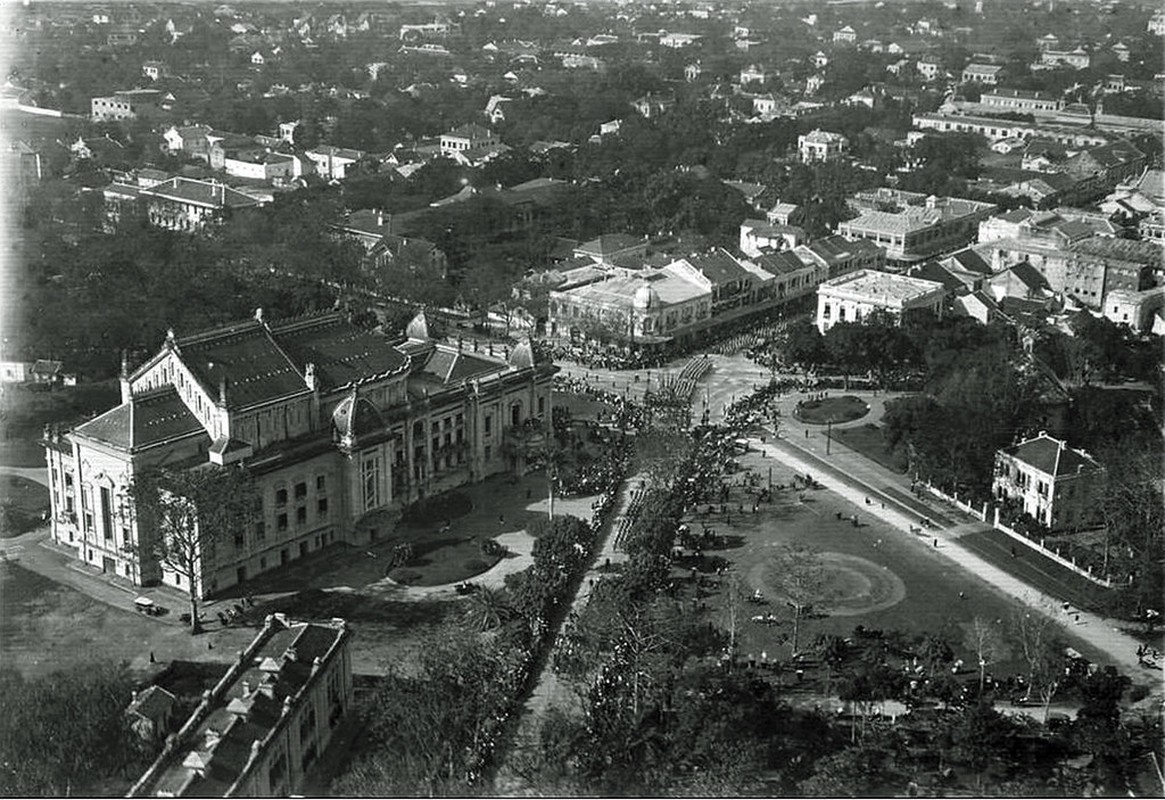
(846, 408)
(24, 411)
(868, 440)
(23, 504)
(874, 575)
(46, 625)
(439, 559)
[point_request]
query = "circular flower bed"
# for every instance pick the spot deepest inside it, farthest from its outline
(831, 409)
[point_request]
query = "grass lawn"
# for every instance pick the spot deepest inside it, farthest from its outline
(46, 625)
(875, 576)
(441, 558)
(868, 440)
(846, 408)
(25, 411)
(25, 503)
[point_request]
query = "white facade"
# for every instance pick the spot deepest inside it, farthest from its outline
(821, 145)
(853, 297)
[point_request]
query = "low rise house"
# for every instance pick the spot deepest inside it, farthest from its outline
(1059, 486)
(853, 297)
(986, 74)
(758, 236)
(1076, 59)
(151, 713)
(333, 163)
(266, 724)
(819, 145)
(654, 104)
(1137, 310)
(125, 105)
(468, 137)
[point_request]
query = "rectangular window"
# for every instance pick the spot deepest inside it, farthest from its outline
(370, 472)
(322, 507)
(280, 497)
(488, 452)
(301, 515)
(281, 522)
(239, 540)
(300, 490)
(260, 531)
(321, 484)
(489, 423)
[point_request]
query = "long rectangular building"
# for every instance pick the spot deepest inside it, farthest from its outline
(263, 727)
(913, 226)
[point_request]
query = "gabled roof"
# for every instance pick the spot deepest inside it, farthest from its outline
(933, 271)
(970, 261)
(1052, 456)
(152, 703)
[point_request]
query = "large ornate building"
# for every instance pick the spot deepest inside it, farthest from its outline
(339, 428)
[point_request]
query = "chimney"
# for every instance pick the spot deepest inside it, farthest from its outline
(222, 392)
(246, 686)
(126, 390)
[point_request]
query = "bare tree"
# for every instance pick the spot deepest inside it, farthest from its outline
(985, 640)
(190, 513)
(1043, 651)
(799, 574)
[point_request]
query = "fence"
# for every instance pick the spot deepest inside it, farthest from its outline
(978, 513)
(1052, 554)
(981, 514)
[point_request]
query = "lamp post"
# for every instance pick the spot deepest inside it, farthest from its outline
(828, 435)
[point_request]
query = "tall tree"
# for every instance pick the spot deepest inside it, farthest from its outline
(190, 514)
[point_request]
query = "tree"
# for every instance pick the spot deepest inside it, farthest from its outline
(63, 733)
(1043, 651)
(190, 513)
(798, 574)
(488, 609)
(984, 639)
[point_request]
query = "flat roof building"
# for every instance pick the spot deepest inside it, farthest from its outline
(853, 297)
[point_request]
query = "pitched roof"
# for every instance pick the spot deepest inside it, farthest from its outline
(970, 261)
(341, 352)
(781, 263)
(201, 193)
(1052, 456)
(147, 419)
(609, 243)
(152, 702)
(719, 267)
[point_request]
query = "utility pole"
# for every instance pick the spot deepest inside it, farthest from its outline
(828, 435)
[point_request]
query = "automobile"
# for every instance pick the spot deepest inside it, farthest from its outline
(145, 605)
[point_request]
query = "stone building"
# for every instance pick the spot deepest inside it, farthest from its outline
(1057, 485)
(338, 427)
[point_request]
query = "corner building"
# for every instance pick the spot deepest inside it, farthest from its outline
(340, 429)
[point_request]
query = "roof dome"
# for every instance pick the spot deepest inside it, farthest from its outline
(354, 417)
(645, 298)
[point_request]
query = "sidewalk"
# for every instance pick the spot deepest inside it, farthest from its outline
(856, 478)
